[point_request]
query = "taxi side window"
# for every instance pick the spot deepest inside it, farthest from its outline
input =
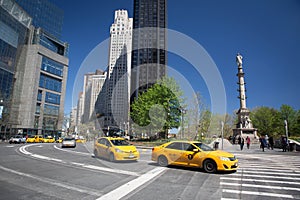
(188, 147)
(175, 145)
(108, 143)
(102, 141)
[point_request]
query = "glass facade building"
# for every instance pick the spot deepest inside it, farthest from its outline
(149, 59)
(14, 31)
(45, 15)
(33, 66)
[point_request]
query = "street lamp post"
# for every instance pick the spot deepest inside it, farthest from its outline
(222, 133)
(183, 111)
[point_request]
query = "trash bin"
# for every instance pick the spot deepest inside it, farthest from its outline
(292, 146)
(216, 145)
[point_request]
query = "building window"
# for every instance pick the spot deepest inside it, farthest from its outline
(51, 110)
(50, 83)
(52, 98)
(52, 67)
(40, 95)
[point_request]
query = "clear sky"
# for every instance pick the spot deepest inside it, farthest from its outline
(265, 32)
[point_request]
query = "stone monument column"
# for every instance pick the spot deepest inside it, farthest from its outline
(244, 125)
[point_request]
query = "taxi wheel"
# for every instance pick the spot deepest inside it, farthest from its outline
(111, 157)
(162, 161)
(210, 166)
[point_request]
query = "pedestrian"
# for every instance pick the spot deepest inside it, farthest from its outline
(271, 142)
(248, 142)
(267, 141)
(241, 143)
(263, 143)
(284, 143)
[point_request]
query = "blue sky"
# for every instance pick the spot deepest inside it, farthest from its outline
(265, 32)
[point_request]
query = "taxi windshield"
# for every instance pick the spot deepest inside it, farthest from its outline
(120, 142)
(204, 147)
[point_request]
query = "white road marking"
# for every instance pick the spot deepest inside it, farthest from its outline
(265, 176)
(264, 169)
(132, 185)
(263, 181)
(51, 182)
(273, 187)
(105, 169)
(118, 171)
(9, 146)
(271, 172)
(77, 152)
(258, 193)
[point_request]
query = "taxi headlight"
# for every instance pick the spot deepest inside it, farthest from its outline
(118, 150)
(224, 158)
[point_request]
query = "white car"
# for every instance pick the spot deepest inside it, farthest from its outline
(68, 142)
(17, 139)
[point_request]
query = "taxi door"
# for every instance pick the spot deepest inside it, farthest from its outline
(191, 157)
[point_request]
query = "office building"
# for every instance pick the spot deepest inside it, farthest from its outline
(93, 83)
(45, 14)
(149, 55)
(37, 103)
(15, 26)
(113, 101)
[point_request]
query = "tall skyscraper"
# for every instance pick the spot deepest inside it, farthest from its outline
(37, 103)
(149, 55)
(93, 83)
(14, 32)
(45, 14)
(113, 101)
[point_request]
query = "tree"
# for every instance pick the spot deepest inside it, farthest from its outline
(266, 120)
(290, 115)
(158, 109)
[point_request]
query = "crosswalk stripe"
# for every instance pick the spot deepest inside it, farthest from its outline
(266, 168)
(257, 180)
(264, 176)
(259, 193)
(273, 187)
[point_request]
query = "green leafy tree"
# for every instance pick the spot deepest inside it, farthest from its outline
(266, 120)
(290, 115)
(158, 109)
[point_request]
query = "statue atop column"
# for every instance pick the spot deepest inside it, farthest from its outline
(239, 59)
(244, 125)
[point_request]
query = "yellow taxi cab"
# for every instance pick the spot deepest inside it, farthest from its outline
(194, 154)
(115, 149)
(49, 139)
(35, 139)
(80, 139)
(59, 140)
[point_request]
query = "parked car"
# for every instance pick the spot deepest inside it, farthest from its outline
(68, 142)
(35, 139)
(49, 139)
(115, 149)
(194, 154)
(17, 139)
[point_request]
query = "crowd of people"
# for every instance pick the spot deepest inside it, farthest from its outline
(265, 141)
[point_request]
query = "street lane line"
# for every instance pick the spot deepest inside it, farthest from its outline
(132, 185)
(77, 152)
(273, 187)
(51, 182)
(104, 169)
(263, 181)
(272, 173)
(258, 193)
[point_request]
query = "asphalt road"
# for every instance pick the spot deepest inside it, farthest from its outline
(45, 171)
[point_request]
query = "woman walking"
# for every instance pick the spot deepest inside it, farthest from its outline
(248, 142)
